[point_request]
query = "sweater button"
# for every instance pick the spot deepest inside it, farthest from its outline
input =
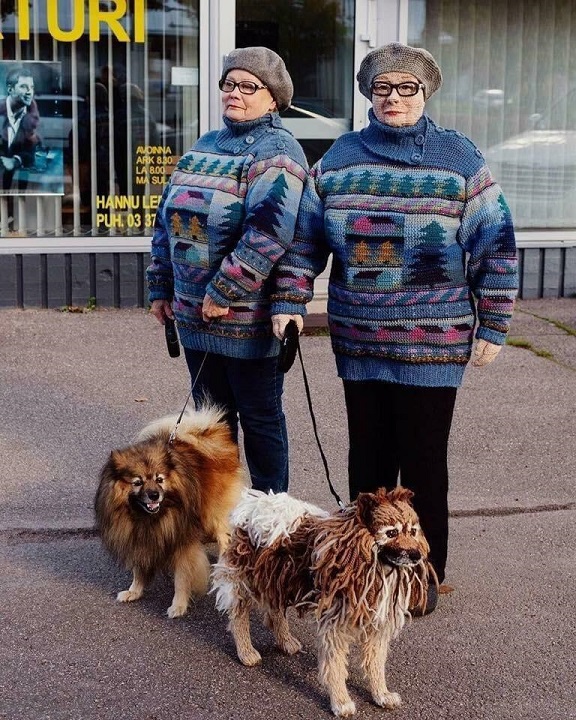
(237, 149)
(416, 157)
(419, 139)
(249, 139)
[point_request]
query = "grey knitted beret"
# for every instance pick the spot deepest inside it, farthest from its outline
(396, 57)
(268, 67)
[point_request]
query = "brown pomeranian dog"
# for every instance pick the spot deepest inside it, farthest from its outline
(160, 499)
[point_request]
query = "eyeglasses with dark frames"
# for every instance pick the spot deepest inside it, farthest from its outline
(405, 89)
(246, 87)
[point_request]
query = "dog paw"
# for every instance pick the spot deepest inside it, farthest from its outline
(128, 596)
(291, 646)
(388, 700)
(344, 709)
(177, 610)
(250, 658)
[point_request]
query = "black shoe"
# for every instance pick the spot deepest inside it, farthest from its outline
(431, 602)
(431, 599)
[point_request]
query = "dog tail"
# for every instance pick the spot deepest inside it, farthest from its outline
(193, 422)
(225, 581)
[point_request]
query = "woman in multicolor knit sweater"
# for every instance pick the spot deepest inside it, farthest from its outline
(423, 260)
(225, 219)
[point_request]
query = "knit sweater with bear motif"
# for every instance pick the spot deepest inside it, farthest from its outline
(224, 220)
(423, 252)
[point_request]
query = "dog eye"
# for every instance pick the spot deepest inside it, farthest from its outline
(160, 479)
(392, 533)
(413, 531)
(137, 482)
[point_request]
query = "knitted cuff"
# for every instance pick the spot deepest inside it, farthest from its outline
(490, 335)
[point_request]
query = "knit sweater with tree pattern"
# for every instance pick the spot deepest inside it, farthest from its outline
(225, 218)
(423, 251)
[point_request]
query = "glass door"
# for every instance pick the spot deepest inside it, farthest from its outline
(317, 42)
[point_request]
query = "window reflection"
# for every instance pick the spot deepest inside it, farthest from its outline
(112, 122)
(508, 86)
(316, 41)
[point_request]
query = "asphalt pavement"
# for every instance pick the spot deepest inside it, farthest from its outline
(501, 646)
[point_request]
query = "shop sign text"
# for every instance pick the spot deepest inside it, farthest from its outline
(97, 14)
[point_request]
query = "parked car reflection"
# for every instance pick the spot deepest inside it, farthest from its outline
(537, 168)
(56, 117)
(315, 131)
(314, 127)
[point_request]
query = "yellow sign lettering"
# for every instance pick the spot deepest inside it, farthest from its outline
(97, 14)
(139, 24)
(110, 17)
(77, 30)
(23, 20)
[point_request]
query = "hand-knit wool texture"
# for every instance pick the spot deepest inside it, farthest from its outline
(268, 67)
(224, 220)
(422, 247)
(396, 57)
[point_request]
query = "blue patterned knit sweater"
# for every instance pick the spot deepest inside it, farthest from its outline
(422, 248)
(224, 220)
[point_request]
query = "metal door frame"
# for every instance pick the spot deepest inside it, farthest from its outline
(376, 22)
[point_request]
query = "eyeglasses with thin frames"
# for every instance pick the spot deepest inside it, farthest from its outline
(405, 89)
(246, 87)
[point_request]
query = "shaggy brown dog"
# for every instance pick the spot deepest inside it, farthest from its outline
(159, 501)
(358, 571)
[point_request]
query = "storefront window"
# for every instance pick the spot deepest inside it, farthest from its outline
(113, 104)
(509, 84)
(316, 40)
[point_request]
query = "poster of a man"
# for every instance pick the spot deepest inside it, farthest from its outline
(20, 120)
(27, 165)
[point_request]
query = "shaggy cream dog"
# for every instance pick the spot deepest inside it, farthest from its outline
(359, 571)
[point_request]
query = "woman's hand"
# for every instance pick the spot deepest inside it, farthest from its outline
(211, 310)
(279, 323)
(162, 309)
(484, 353)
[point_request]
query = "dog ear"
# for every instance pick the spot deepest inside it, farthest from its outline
(109, 470)
(365, 505)
(116, 462)
(401, 493)
(115, 458)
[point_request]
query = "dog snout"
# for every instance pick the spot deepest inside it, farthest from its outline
(399, 556)
(153, 495)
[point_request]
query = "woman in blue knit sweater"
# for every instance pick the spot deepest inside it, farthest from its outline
(225, 219)
(423, 261)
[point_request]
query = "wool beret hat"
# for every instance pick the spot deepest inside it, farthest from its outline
(396, 57)
(267, 66)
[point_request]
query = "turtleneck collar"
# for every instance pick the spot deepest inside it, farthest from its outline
(399, 144)
(235, 135)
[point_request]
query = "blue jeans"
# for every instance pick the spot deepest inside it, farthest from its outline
(250, 391)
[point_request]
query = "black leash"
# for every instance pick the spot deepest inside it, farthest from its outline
(296, 340)
(173, 433)
(309, 398)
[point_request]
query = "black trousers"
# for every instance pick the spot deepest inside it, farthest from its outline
(401, 431)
